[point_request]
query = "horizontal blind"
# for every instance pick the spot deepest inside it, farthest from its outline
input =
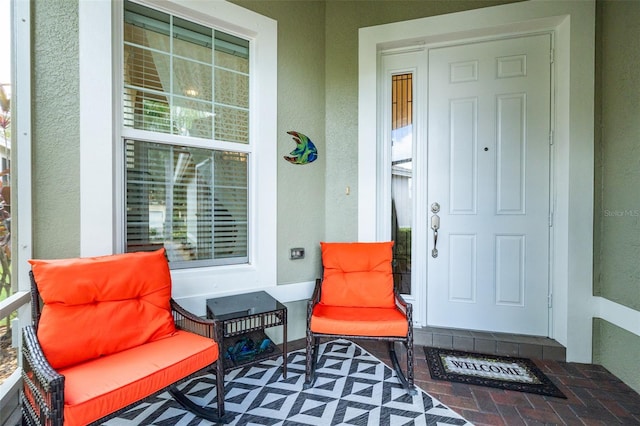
(184, 78)
(192, 201)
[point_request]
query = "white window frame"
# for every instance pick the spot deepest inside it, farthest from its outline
(21, 182)
(101, 165)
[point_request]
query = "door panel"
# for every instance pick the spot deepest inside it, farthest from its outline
(510, 258)
(488, 168)
(510, 154)
(463, 161)
(462, 268)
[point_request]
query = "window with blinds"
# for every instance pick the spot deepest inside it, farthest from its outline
(184, 78)
(185, 86)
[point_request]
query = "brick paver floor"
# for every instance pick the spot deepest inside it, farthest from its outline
(594, 395)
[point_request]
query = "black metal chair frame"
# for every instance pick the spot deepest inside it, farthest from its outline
(45, 406)
(313, 342)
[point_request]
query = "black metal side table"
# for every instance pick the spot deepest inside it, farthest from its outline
(242, 319)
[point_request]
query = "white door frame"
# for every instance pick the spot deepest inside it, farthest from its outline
(572, 243)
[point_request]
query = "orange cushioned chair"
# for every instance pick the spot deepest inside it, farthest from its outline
(105, 335)
(356, 300)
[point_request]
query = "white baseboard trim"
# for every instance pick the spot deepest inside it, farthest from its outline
(292, 292)
(617, 314)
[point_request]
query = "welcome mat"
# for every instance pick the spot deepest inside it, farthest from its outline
(352, 388)
(517, 374)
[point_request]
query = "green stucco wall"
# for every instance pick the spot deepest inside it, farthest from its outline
(318, 96)
(617, 350)
(301, 107)
(617, 259)
(344, 19)
(55, 109)
(617, 175)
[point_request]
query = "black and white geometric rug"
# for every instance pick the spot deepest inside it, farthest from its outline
(352, 388)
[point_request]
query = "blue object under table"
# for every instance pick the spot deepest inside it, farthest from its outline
(242, 319)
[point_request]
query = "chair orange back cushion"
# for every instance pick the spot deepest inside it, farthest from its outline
(357, 274)
(102, 305)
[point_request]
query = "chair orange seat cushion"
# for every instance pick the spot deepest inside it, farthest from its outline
(350, 321)
(97, 306)
(357, 274)
(103, 385)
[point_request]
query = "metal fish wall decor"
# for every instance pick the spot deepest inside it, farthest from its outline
(305, 152)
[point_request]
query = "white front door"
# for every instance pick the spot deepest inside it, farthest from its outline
(489, 173)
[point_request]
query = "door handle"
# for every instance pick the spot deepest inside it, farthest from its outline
(435, 225)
